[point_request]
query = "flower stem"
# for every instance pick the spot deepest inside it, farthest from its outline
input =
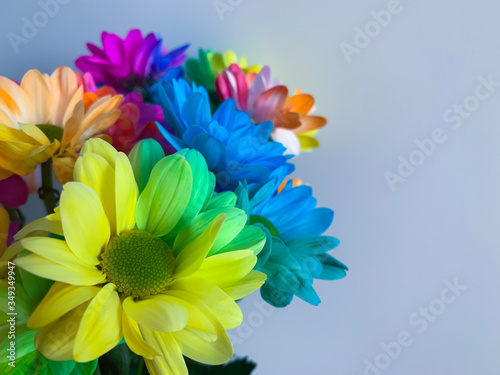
(47, 193)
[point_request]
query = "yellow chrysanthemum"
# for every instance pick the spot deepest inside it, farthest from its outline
(49, 116)
(160, 267)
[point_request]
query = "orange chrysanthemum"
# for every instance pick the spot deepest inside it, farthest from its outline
(47, 117)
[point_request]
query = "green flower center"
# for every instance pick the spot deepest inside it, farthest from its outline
(51, 131)
(138, 263)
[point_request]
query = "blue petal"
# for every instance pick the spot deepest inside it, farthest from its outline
(240, 172)
(312, 245)
(177, 143)
(309, 295)
(191, 133)
(196, 110)
(265, 253)
(317, 223)
(242, 198)
(332, 268)
(275, 297)
(225, 113)
(213, 150)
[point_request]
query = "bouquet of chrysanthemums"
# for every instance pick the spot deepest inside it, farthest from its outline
(175, 203)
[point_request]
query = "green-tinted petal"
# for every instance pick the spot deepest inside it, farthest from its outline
(166, 196)
(224, 199)
(235, 221)
(143, 158)
(211, 182)
(199, 193)
(192, 256)
(250, 238)
(242, 197)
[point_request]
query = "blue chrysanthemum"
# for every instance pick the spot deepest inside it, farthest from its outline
(296, 251)
(235, 149)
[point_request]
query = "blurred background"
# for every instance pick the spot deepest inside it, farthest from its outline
(419, 225)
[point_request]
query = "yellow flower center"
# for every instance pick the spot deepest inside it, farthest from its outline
(138, 263)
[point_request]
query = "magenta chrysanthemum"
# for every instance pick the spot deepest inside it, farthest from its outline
(131, 63)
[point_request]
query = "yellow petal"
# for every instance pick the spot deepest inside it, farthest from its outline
(161, 313)
(197, 320)
(40, 155)
(10, 134)
(34, 132)
(308, 143)
(56, 340)
(134, 339)
(221, 305)
(85, 225)
(197, 347)
(93, 170)
(60, 299)
(126, 193)
(58, 252)
(101, 326)
(11, 252)
(193, 255)
(171, 362)
(249, 284)
(102, 148)
(44, 225)
(47, 269)
(225, 269)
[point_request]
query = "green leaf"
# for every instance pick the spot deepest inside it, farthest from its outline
(86, 368)
(61, 367)
(35, 286)
(23, 341)
(238, 366)
(33, 364)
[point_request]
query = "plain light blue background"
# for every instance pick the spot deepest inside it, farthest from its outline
(442, 223)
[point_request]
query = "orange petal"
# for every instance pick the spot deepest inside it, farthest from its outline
(63, 168)
(311, 123)
(288, 120)
(301, 103)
